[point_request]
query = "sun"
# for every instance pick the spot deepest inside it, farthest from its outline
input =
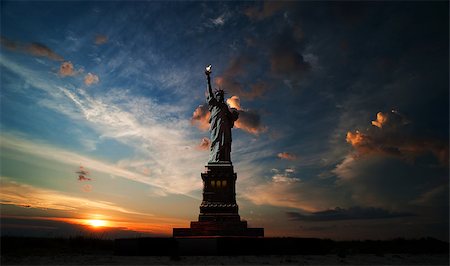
(97, 223)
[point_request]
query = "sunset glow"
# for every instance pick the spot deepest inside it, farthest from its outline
(97, 223)
(342, 130)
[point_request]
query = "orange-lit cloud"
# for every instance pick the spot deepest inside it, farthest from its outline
(390, 137)
(100, 39)
(67, 69)
(9, 44)
(356, 138)
(234, 102)
(90, 79)
(204, 144)
(381, 119)
(38, 49)
(35, 49)
(287, 156)
(249, 120)
(200, 117)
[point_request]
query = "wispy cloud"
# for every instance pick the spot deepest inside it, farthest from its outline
(20, 194)
(352, 213)
(285, 189)
(48, 152)
(220, 20)
(35, 49)
(157, 132)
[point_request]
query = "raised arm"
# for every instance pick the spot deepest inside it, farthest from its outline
(208, 73)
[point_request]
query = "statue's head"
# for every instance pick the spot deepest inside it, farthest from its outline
(220, 95)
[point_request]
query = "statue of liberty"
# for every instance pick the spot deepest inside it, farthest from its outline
(221, 121)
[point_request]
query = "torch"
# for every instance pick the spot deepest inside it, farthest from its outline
(208, 70)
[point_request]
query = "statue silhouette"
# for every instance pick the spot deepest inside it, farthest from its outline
(221, 121)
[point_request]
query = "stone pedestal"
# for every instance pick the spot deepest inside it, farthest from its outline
(219, 212)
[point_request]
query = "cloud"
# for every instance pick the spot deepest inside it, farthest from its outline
(38, 49)
(237, 69)
(283, 178)
(220, 20)
(268, 9)
(83, 178)
(284, 189)
(285, 58)
(67, 69)
(352, 213)
(381, 119)
(200, 117)
(87, 188)
(100, 39)
(90, 79)
(204, 144)
(386, 181)
(391, 136)
(155, 131)
(35, 49)
(9, 44)
(287, 156)
(41, 150)
(249, 120)
(21, 194)
(234, 102)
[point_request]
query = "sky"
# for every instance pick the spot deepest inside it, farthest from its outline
(343, 128)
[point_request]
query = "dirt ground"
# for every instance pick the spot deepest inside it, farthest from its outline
(387, 259)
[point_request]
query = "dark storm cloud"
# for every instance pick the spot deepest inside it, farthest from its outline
(231, 79)
(250, 121)
(353, 213)
(286, 59)
(35, 49)
(390, 135)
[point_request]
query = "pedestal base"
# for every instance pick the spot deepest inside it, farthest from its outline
(219, 212)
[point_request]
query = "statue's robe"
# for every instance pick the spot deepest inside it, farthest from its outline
(221, 121)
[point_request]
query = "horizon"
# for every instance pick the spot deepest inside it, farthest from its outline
(343, 116)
